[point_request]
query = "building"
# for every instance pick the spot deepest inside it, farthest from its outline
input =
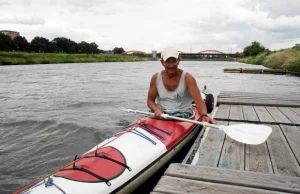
(12, 34)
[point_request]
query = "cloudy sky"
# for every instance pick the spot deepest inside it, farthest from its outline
(190, 25)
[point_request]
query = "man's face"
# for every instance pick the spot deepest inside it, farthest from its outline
(171, 65)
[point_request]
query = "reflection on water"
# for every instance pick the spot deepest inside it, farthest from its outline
(50, 113)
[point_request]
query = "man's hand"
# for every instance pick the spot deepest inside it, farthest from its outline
(158, 113)
(208, 119)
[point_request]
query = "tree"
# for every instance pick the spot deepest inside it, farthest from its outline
(6, 44)
(40, 45)
(94, 48)
(254, 49)
(64, 45)
(21, 44)
(117, 50)
(83, 47)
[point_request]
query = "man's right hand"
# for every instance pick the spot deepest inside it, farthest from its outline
(158, 113)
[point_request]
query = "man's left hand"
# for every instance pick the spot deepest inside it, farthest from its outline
(208, 119)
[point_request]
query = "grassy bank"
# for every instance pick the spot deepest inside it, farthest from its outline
(288, 59)
(20, 58)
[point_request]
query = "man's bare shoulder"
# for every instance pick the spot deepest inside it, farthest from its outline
(153, 79)
(189, 78)
(154, 76)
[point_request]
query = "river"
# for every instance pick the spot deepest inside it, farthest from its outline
(50, 113)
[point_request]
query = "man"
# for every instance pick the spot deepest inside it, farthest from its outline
(174, 90)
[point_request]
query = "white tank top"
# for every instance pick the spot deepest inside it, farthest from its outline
(178, 100)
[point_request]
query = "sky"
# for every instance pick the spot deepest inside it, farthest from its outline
(189, 25)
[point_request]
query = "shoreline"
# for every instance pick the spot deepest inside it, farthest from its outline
(287, 60)
(24, 58)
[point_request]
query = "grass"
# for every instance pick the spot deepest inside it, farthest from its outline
(22, 58)
(287, 59)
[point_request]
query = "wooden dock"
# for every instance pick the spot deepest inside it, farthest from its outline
(260, 71)
(218, 164)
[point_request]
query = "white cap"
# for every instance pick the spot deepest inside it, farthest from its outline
(169, 52)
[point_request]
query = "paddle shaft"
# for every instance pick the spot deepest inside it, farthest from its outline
(166, 116)
(244, 133)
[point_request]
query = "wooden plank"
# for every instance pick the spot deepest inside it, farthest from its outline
(222, 112)
(235, 177)
(290, 114)
(259, 97)
(249, 113)
(292, 135)
(277, 115)
(255, 94)
(234, 94)
(283, 160)
(263, 114)
(232, 156)
(257, 159)
(173, 185)
(211, 147)
(258, 102)
(296, 110)
(247, 98)
(236, 113)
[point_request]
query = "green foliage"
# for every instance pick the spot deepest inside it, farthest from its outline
(117, 50)
(248, 60)
(15, 58)
(84, 47)
(259, 59)
(43, 45)
(287, 59)
(275, 60)
(6, 44)
(21, 44)
(40, 45)
(254, 49)
(64, 45)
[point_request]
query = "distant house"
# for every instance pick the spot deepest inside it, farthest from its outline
(12, 34)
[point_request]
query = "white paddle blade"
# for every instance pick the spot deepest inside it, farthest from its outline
(248, 133)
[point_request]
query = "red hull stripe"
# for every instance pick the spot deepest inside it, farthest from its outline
(100, 166)
(178, 129)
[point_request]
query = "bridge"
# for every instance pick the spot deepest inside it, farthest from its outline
(210, 53)
(202, 55)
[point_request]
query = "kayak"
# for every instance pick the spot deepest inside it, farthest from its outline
(122, 162)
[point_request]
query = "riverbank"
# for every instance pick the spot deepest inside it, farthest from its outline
(23, 58)
(288, 59)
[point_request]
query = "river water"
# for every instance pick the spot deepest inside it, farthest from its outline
(50, 113)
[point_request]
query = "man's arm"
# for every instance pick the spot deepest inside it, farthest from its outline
(152, 94)
(195, 93)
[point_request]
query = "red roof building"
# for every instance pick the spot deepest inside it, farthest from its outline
(12, 34)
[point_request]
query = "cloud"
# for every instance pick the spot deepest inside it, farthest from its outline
(276, 8)
(22, 20)
(27, 2)
(136, 25)
(4, 3)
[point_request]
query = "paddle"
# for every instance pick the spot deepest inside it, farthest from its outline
(244, 133)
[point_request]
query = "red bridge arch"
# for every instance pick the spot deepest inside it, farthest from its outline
(211, 52)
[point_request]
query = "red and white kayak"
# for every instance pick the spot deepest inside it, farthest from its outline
(122, 162)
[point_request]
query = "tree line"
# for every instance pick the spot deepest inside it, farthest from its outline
(57, 45)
